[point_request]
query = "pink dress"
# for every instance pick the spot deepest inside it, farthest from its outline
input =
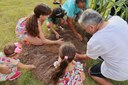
(10, 62)
(21, 32)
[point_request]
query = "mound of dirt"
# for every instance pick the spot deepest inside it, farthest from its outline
(44, 56)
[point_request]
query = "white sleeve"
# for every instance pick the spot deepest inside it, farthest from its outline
(94, 49)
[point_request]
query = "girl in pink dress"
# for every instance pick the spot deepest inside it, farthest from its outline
(68, 72)
(29, 29)
(10, 58)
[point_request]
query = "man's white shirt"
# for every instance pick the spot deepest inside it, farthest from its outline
(111, 43)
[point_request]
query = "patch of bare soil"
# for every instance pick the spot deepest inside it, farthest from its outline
(44, 56)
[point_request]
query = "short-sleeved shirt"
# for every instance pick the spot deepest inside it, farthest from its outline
(71, 8)
(9, 62)
(111, 43)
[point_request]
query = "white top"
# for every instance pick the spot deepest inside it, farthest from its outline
(111, 43)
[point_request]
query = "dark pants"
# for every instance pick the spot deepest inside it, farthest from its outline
(96, 71)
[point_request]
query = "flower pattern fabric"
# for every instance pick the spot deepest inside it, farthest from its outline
(72, 77)
(9, 62)
(21, 29)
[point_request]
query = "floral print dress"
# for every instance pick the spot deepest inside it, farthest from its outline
(10, 62)
(21, 29)
(72, 77)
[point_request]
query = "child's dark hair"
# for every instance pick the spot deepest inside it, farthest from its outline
(78, 1)
(32, 23)
(9, 49)
(56, 14)
(66, 49)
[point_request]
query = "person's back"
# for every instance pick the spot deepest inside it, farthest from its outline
(113, 40)
(71, 7)
(72, 77)
(68, 72)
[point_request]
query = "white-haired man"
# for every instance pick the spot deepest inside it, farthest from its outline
(110, 42)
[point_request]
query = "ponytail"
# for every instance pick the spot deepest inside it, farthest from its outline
(59, 72)
(32, 26)
(67, 53)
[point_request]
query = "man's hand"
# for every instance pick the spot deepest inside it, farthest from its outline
(78, 56)
(81, 57)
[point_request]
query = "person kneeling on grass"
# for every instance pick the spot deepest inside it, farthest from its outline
(110, 42)
(56, 18)
(68, 71)
(74, 9)
(29, 29)
(9, 58)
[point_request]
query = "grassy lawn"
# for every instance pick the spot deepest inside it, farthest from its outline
(10, 12)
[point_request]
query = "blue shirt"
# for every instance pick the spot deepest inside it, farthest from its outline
(71, 8)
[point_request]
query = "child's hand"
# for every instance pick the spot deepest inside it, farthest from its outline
(31, 67)
(56, 64)
(60, 41)
(4, 69)
(49, 24)
(39, 23)
(60, 27)
(58, 36)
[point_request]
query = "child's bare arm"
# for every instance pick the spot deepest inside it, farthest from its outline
(82, 57)
(5, 69)
(82, 75)
(50, 26)
(24, 66)
(47, 41)
(55, 32)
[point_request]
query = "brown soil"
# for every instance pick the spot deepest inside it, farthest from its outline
(44, 56)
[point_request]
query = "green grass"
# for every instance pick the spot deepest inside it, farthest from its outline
(10, 12)
(26, 79)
